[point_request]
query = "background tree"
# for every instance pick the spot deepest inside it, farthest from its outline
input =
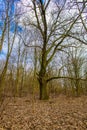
(6, 37)
(75, 68)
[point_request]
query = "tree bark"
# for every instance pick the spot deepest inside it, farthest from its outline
(43, 90)
(77, 87)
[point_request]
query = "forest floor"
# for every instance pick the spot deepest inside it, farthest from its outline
(61, 113)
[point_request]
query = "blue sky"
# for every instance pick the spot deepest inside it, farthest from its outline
(39, 0)
(2, 18)
(11, 14)
(2, 54)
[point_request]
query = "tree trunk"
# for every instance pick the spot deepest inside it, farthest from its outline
(43, 90)
(77, 88)
(2, 76)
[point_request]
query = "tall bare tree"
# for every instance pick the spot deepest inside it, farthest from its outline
(53, 27)
(7, 37)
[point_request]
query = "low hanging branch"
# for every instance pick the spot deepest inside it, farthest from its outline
(61, 77)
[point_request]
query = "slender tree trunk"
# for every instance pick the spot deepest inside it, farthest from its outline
(2, 76)
(17, 83)
(77, 88)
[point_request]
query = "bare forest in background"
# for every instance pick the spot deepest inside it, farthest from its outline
(45, 49)
(43, 65)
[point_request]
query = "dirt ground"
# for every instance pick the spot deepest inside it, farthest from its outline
(61, 113)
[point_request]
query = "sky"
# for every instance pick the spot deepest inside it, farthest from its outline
(11, 13)
(2, 18)
(61, 2)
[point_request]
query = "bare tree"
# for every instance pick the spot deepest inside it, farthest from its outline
(52, 29)
(75, 67)
(7, 38)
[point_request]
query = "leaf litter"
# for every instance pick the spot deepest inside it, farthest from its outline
(61, 113)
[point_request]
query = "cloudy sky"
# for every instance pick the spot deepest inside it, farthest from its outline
(21, 6)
